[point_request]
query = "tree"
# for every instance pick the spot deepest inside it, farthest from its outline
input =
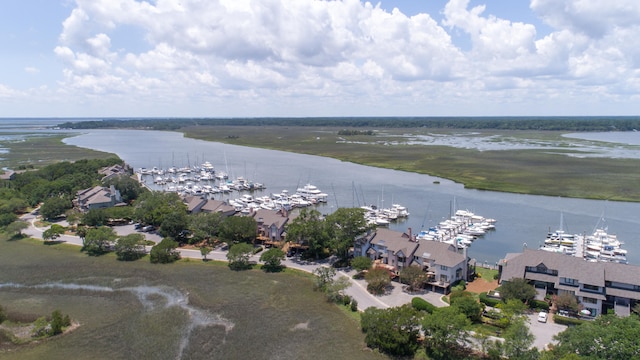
(343, 226)
(129, 188)
(238, 229)
(54, 207)
(73, 216)
(130, 247)
(57, 322)
(53, 232)
(16, 228)
(393, 331)
(518, 341)
(467, 304)
(517, 288)
(164, 252)
(567, 301)
(607, 337)
(445, 332)
(204, 251)
(272, 259)
(95, 217)
(309, 229)
(361, 263)
(152, 206)
(174, 223)
(204, 226)
(99, 240)
(327, 283)
(239, 255)
(413, 276)
(377, 280)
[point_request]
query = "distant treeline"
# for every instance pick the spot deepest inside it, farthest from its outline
(560, 123)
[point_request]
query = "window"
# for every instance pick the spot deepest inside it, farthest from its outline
(588, 300)
(569, 281)
(541, 269)
(591, 288)
(444, 268)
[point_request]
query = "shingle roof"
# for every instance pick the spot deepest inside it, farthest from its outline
(394, 241)
(591, 273)
(442, 253)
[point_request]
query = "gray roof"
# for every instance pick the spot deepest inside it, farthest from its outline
(442, 253)
(591, 273)
(394, 241)
(271, 217)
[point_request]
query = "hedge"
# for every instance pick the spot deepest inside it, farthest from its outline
(539, 304)
(489, 301)
(569, 321)
(421, 304)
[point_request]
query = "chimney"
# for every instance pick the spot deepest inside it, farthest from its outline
(411, 236)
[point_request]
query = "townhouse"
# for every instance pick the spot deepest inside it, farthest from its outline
(598, 287)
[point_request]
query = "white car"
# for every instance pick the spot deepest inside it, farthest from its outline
(542, 317)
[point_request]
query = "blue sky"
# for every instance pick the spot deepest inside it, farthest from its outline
(219, 58)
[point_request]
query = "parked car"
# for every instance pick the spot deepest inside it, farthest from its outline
(542, 317)
(148, 228)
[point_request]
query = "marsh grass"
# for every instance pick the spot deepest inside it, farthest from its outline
(266, 309)
(41, 150)
(541, 171)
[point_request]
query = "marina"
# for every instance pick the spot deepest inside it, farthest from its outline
(524, 219)
(598, 246)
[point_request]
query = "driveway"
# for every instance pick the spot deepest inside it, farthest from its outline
(544, 332)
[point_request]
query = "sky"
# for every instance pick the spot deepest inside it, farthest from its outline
(308, 58)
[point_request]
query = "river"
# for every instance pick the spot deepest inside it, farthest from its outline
(522, 220)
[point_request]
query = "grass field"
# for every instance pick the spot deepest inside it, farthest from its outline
(190, 310)
(560, 171)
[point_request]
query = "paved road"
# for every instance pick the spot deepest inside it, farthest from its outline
(543, 332)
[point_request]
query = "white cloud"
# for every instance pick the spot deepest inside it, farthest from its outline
(351, 54)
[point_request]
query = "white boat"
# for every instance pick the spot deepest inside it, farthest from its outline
(312, 193)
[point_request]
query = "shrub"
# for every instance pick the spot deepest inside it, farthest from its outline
(354, 305)
(3, 315)
(346, 300)
(485, 299)
(460, 286)
(421, 304)
(563, 320)
(538, 304)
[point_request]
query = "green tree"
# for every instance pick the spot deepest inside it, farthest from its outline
(607, 337)
(129, 188)
(272, 259)
(95, 217)
(309, 229)
(130, 247)
(393, 331)
(518, 341)
(361, 263)
(413, 276)
(16, 227)
(567, 301)
(204, 251)
(152, 206)
(343, 226)
(517, 288)
(57, 322)
(164, 252)
(53, 232)
(174, 223)
(99, 240)
(467, 304)
(378, 279)
(239, 255)
(73, 216)
(326, 282)
(204, 226)
(54, 207)
(238, 229)
(445, 332)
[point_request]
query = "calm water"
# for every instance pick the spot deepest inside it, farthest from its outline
(523, 220)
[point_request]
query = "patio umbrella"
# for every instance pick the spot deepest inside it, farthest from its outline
(585, 312)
